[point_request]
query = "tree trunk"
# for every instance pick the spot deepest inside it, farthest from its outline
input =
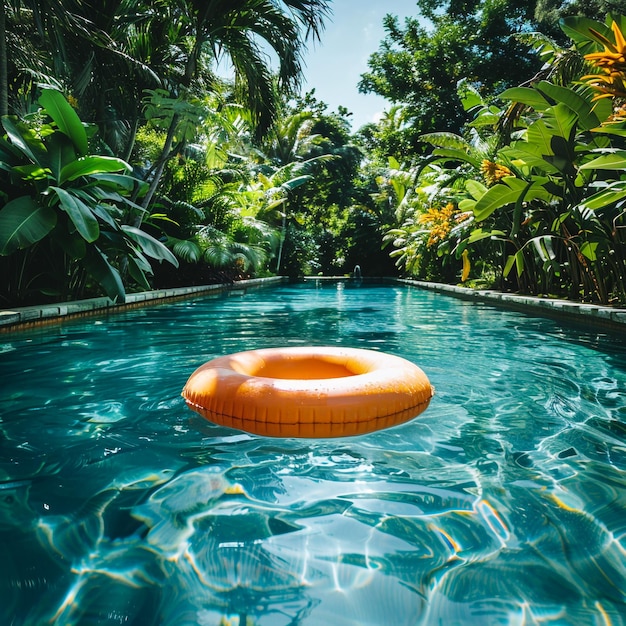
(282, 243)
(4, 71)
(166, 153)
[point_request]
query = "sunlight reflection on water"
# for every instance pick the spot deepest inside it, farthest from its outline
(503, 503)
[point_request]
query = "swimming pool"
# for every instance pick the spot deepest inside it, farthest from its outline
(503, 503)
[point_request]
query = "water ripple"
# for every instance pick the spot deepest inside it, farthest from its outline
(502, 504)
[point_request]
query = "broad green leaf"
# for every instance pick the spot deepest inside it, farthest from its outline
(617, 129)
(581, 30)
(215, 156)
(9, 154)
(495, 198)
(141, 261)
(613, 161)
(138, 272)
(479, 234)
(485, 119)
(588, 249)
(149, 245)
(22, 223)
(476, 189)
(449, 154)
(398, 188)
(81, 215)
(61, 151)
(297, 182)
(538, 139)
(275, 203)
(88, 165)
(105, 216)
(510, 191)
(508, 265)
(24, 139)
(521, 155)
(98, 266)
(603, 109)
(562, 121)
(519, 262)
(605, 197)
(446, 140)
(563, 157)
(526, 95)
(469, 95)
(393, 163)
(467, 204)
(100, 194)
(58, 108)
(582, 107)
(502, 194)
(123, 181)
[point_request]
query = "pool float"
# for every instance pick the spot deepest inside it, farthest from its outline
(308, 391)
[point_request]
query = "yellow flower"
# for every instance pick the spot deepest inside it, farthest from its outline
(439, 222)
(612, 61)
(493, 172)
(614, 54)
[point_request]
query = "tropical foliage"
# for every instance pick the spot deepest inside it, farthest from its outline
(152, 144)
(541, 209)
(165, 168)
(419, 64)
(62, 223)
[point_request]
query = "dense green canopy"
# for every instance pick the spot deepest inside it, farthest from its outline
(128, 161)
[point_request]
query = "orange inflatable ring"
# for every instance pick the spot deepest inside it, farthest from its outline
(308, 392)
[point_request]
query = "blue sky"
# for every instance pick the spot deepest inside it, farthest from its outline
(334, 65)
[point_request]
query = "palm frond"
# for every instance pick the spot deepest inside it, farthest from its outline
(185, 249)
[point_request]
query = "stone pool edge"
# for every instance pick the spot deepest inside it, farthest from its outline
(20, 318)
(605, 317)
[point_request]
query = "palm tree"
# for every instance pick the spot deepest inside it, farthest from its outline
(290, 139)
(38, 40)
(233, 29)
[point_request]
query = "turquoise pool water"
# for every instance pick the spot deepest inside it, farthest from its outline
(503, 503)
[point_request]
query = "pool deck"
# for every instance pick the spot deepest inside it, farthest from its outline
(591, 315)
(20, 318)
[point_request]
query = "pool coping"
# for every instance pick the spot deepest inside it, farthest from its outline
(603, 317)
(597, 315)
(21, 318)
